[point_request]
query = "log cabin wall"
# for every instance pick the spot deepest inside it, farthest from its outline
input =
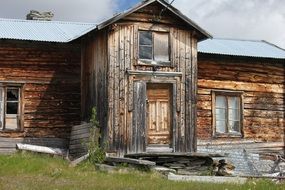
(261, 82)
(48, 75)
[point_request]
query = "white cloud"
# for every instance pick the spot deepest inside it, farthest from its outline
(242, 19)
(245, 19)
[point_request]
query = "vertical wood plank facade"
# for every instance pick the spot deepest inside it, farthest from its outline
(127, 78)
(94, 79)
(118, 101)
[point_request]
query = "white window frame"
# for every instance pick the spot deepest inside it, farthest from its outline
(227, 94)
(3, 104)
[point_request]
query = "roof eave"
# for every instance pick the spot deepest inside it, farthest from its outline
(243, 56)
(203, 33)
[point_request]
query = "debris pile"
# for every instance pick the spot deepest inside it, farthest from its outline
(183, 164)
(223, 168)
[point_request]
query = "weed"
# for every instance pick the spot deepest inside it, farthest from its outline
(96, 152)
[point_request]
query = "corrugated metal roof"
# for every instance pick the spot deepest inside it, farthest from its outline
(248, 48)
(47, 31)
(57, 31)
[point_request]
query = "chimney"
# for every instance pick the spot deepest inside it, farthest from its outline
(36, 15)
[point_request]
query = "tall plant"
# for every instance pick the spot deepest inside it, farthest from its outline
(96, 152)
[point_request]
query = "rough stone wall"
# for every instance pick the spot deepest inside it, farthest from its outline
(243, 157)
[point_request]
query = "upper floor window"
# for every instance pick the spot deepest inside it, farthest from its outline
(9, 108)
(154, 47)
(227, 113)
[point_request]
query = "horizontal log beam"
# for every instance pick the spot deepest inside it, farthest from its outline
(155, 73)
(244, 86)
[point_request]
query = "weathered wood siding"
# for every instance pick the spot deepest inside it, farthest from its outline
(123, 57)
(94, 79)
(115, 82)
(262, 82)
(49, 74)
(79, 138)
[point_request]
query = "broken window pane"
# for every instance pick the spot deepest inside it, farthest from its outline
(12, 101)
(154, 46)
(161, 47)
(12, 94)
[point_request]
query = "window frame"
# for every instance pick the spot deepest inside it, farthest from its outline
(4, 102)
(152, 61)
(241, 108)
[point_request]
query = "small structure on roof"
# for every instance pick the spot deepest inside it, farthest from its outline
(36, 15)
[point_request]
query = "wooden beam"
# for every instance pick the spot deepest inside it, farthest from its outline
(41, 149)
(207, 179)
(129, 161)
(155, 73)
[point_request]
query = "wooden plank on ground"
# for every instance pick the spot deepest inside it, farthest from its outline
(207, 179)
(79, 160)
(41, 149)
(129, 161)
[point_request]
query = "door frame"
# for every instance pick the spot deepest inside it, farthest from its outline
(173, 93)
(175, 82)
(169, 87)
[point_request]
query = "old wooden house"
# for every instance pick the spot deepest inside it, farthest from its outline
(156, 81)
(140, 70)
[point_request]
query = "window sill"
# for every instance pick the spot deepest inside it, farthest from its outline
(227, 135)
(11, 131)
(147, 62)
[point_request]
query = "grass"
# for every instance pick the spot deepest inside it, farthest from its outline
(32, 171)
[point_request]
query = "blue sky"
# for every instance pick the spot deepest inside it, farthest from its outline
(125, 4)
(242, 19)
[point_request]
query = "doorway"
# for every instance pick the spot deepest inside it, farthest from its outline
(159, 115)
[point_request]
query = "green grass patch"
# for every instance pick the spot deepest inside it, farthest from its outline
(32, 171)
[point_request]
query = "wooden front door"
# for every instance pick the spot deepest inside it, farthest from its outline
(158, 114)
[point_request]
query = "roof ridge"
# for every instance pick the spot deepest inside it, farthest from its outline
(236, 39)
(274, 45)
(43, 21)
